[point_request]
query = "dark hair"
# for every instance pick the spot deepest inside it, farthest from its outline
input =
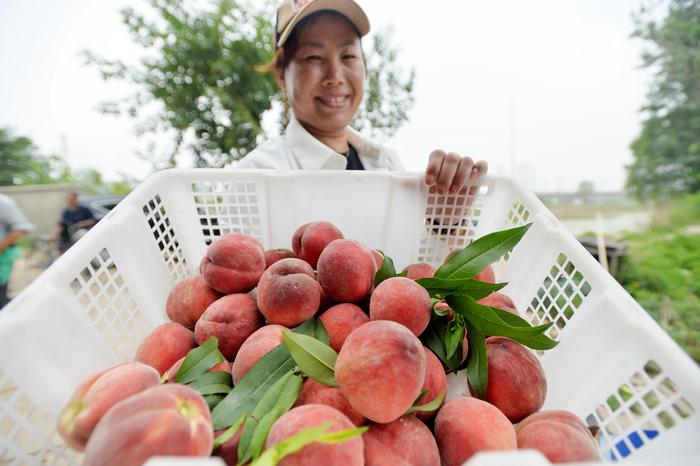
(284, 54)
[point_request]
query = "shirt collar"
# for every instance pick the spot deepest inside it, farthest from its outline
(311, 153)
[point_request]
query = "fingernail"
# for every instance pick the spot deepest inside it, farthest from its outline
(442, 190)
(430, 179)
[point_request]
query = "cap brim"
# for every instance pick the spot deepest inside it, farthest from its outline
(348, 8)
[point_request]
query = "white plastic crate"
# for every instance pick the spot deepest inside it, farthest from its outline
(614, 366)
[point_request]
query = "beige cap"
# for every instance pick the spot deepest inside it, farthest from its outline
(290, 12)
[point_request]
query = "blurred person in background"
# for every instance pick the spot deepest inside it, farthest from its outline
(13, 225)
(320, 68)
(75, 221)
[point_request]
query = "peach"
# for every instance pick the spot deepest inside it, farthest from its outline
(261, 342)
(274, 255)
(231, 319)
(167, 420)
(96, 395)
(189, 299)
(419, 270)
(465, 426)
(233, 263)
(378, 259)
(380, 370)
(171, 374)
(486, 275)
(229, 450)
(516, 384)
(346, 270)
(288, 293)
(310, 239)
(165, 345)
(402, 300)
(499, 301)
(405, 441)
(558, 435)
(313, 392)
(340, 320)
(435, 383)
(347, 453)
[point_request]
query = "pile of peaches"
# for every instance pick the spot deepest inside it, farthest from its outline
(264, 346)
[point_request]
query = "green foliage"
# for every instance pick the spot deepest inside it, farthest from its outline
(667, 152)
(199, 81)
(662, 272)
(389, 91)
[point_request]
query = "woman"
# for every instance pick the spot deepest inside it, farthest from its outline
(320, 69)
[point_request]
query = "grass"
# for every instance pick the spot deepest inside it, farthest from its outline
(662, 270)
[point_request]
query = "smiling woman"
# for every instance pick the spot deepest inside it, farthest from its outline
(320, 68)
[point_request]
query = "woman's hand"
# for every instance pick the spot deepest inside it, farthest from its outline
(447, 173)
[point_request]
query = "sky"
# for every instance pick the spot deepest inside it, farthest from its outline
(547, 91)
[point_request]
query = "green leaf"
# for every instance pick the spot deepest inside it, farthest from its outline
(314, 328)
(296, 442)
(430, 406)
(496, 322)
(228, 434)
(213, 400)
(314, 358)
(434, 338)
(387, 270)
(279, 398)
(454, 335)
(477, 366)
(442, 287)
(245, 396)
(481, 252)
(210, 378)
(199, 360)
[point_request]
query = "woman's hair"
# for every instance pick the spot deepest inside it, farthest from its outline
(284, 54)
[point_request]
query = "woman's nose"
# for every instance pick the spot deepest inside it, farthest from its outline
(333, 73)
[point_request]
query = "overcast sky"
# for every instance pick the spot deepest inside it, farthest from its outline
(556, 83)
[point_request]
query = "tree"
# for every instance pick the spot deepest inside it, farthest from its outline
(667, 151)
(22, 164)
(199, 83)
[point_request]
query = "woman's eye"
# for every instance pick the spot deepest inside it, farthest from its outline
(349, 56)
(312, 57)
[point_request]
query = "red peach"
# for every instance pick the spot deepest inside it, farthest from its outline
(288, 293)
(380, 370)
(96, 395)
(435, 383)
(231, 319)
(274, 255)
(234, 263)
(559, 436)
(347, 453)
(419, 270)
(405, 441)
(310, 239)
(402, 300)
(189, 299)
(313, 392)
(167, 420)
(261, 342)
(165, 345)
(499, 301)
(465, 426)
(346, 270)
(340, 320)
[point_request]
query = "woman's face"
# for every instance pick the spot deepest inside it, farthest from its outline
(324, 81)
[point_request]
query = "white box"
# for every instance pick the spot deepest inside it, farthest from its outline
(614, 366)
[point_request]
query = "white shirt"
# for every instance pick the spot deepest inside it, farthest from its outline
(297, 149)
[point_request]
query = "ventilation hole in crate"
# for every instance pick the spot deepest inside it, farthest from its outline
(169, 247)
(449, 224)
(562, 293)
(637, 412)
(109, 306)
(28, 434)
(224, 208)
